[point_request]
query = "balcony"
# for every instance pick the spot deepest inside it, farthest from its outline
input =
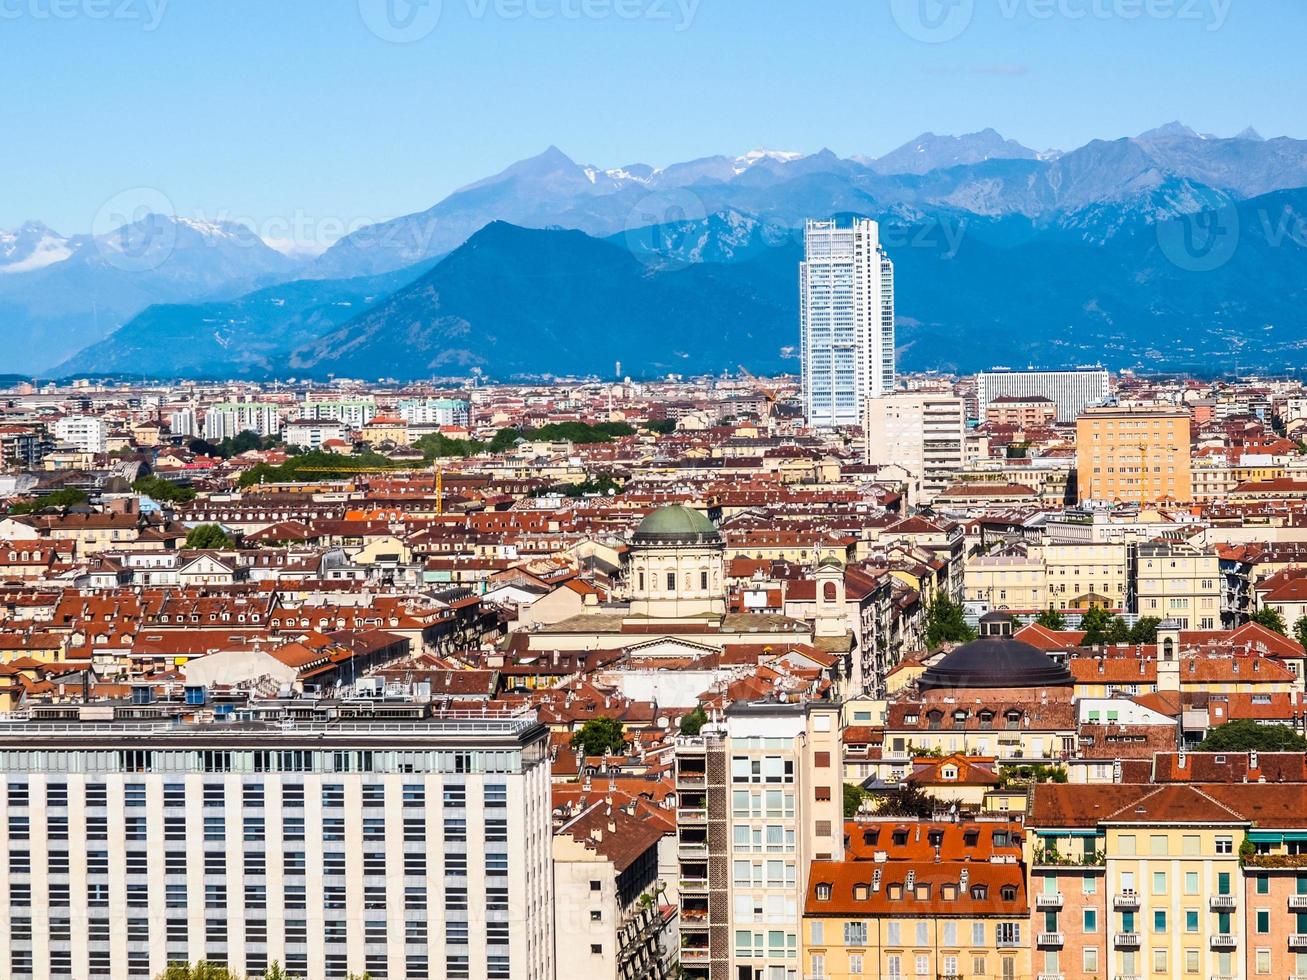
(692, 815)
(1298, 901)
(695, 885)
(692, 779)
(692, 850)
(1050, 939)
(1126, 940)
(1224, 940)
(1009, 944)
(1126, 900)
(1298, 940)
(1222, 902)
(1126, 976)
(694, 954)
(1050, 976)
(1048, 900)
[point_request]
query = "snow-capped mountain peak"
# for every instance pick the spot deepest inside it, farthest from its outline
(32, 247)
(747, 160)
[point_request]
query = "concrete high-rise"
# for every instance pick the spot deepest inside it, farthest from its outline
(846, 317)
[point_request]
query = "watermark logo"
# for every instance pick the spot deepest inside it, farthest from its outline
(1200, 242)
(933, 21)
(401, 21)
(407, 21)
(135, 230)
(664, 228)
(148, 13)
(937, 21)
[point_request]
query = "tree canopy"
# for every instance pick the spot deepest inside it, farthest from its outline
(600, 736)
(1271, 618)
(67, 497)
(947, 624)
(1246, 735)
(692, 723)
(1051, 619)
(208, 537)
(163, 491)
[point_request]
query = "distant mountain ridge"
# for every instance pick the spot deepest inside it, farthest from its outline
(60, 295)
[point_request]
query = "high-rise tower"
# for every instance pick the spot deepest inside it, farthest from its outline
(846, 316)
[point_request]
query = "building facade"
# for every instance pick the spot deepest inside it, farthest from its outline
(330, 848)
(922, 431)
(1136, 455)
(1070, 391)
(846, 314)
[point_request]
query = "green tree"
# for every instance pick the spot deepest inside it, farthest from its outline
(1246, 735)
(1117, 630)
(947, 624)
(909, 801)
(163, 491)
(67, 497)
(662, 427)
(1096, 623)
(1300, 631)
(1272, 619)
(208, 537)
(196, 971)
(600, 735)
(503, 440)
(275, 972)
(1145, 630)
(692, 723)
(853, 797)
(1051, 619)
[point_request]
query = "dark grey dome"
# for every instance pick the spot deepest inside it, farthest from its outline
(995, 662)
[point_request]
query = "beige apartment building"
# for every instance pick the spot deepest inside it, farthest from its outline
(1140, 455)
(760, 797)
(1061, 576)
(1176, 580)
(922, 431)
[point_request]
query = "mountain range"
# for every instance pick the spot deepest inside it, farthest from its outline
(1003, 255)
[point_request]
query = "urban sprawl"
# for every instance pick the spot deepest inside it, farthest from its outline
(838, 675)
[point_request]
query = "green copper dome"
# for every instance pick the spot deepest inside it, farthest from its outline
(676, 525)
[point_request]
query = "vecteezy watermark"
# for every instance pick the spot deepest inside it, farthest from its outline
(135, 230)
(664, 227)
(937, 21)
(1200, 242)
(400, 21)
(1207, 240)
(408, 21)
(148, 13)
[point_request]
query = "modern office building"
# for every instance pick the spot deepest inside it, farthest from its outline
(1071, 391)
(760, 797)
(846, 313)
(925, 432)
(355, 413)
(1134, 455)
(405, 849)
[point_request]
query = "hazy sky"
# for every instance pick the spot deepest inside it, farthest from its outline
(309, 113)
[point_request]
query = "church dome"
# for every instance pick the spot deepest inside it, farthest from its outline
(676, 524)
(994, 662)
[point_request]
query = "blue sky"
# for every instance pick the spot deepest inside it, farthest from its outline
(295, 112)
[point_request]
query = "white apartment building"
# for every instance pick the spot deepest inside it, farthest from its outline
(229, 419)
(354, 413)
(434, 411)
(182, 422)
(760, 796)
(1070, 391)
(312, 433)
(846, 321)
(87, 433)
(925, 432)
(408, 849)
